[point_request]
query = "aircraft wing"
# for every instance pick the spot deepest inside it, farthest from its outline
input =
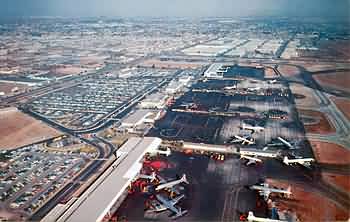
(177, 199)
(250, 162)
(265, 193)
(168, 204)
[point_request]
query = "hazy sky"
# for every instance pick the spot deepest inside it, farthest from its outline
(85, 8)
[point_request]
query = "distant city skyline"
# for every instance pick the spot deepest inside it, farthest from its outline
(181, 8)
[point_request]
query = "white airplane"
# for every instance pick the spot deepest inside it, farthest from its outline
(166, 152)
(254, 88)
(252, 218)
(165, 204)
(265, 190)
(302, 161)
(286, 143)
(251, 160)
(187, 104)
(173, 189)
(272, 81)
(151, 177)
(183, 179)
(252, 128)
(230, 87)
(243, 140)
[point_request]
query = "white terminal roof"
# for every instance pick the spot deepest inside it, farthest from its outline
(213, 69)
(136, 118)
(97, 203)
(155, 97)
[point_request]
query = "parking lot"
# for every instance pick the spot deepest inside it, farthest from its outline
(84, 104)
(34, 174)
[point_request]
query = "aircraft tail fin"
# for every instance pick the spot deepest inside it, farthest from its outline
(153, 176)
(184, 179)
(250, 216)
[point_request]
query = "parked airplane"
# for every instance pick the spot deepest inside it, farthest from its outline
(183, 179)
(302, 161)
(151, 177)
(243, 140)
(272, 81)
(286, 143)
(173, 190)
(230, 87)
(254, 88)
(164, 204)
(166, 152)
(265, 190)
(252, 128)
(252, 218)
(188, 105)
(251, 160)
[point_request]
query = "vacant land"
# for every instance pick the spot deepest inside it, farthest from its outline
(340, 80)
(304, 96)
(288, 70)
(171, 64)
(317, 208)
(12, 88)
(338, 180)
(69, 70)
(330, 153)
(342, 104)
(270, 73)
(321, 125)
(18, 129)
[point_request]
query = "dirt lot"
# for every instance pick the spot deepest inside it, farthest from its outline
(8, 87)
(320, 66)
(288, 70)
(321, 126)
(92, 61)
(307, 205)
(18, 129)
(330, 153)
(341, 181)
(328, 49)
(270, 73)
(304, 96)
(69, 70)
(339, 80)
(171, 64)
(343, 105)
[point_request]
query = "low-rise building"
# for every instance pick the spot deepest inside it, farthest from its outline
(136, 119)
(154, 101)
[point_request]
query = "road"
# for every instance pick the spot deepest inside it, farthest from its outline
(52, 87)
(327, 106)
